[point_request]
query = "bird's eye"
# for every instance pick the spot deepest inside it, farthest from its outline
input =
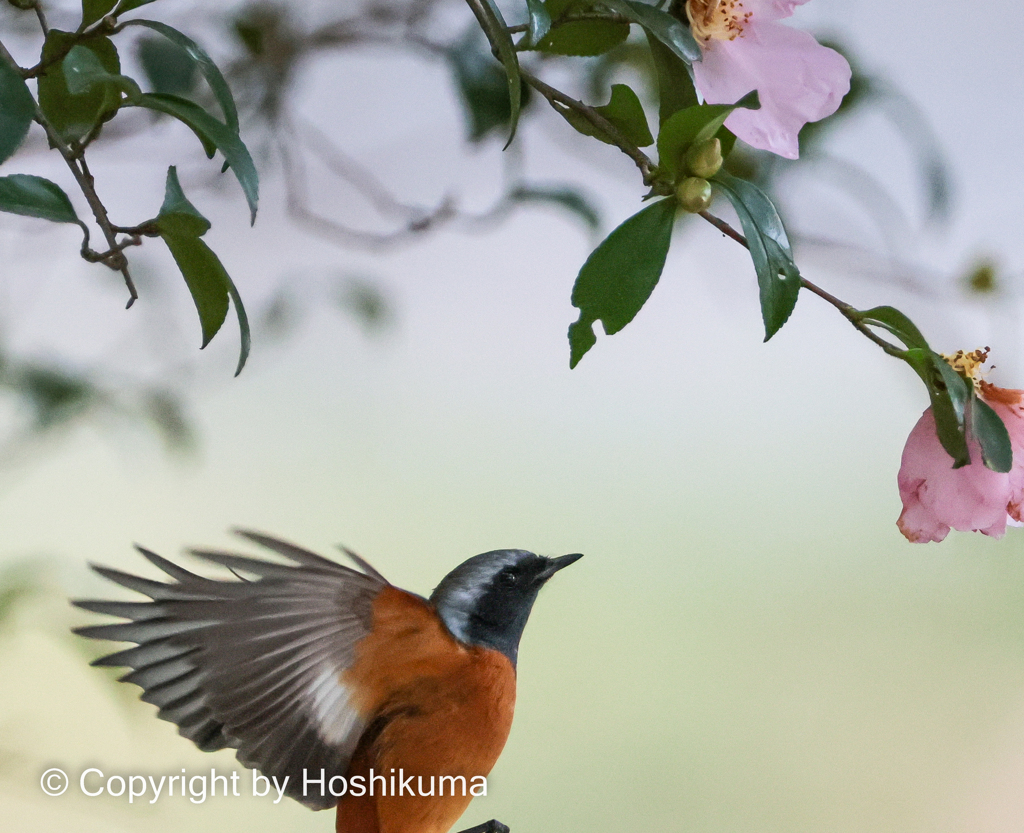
(508, 577)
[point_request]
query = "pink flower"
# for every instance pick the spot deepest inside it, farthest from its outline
(798, 80)
(937, 497)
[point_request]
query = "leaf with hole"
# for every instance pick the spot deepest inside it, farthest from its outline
(778, 278)
(620, 275)
(17, 107)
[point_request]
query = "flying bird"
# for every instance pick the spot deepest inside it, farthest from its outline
(324, 677)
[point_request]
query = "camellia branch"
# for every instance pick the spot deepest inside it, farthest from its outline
(849, 312)
(557, 99)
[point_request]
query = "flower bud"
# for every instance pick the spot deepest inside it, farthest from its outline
(705, 158)
(694, 194)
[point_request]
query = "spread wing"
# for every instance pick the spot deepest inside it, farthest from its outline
(250, 664)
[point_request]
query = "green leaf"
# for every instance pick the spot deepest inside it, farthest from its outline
(71, 115)
(203, 63)
(243, 326)
(213, 134)
(83, 71)
(948, 393)
(891, 319)
(483, 88)
(33, 196)
(675, 80)
(180, 225)
(177, 215)
(168, 67)
(93, 10)
(620, 275)
(494, 27)
(206, 278)
(566, 197)
(777, 275)
(990, 432)
(539, 23)
(581, 38)
(623, 110)
(694, 125)
(17, 107)
(663, 26)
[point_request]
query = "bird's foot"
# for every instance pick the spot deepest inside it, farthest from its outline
(492, 826)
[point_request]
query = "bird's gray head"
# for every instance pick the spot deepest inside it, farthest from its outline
(487, 599)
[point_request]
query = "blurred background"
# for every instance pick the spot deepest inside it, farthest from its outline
(749, 644)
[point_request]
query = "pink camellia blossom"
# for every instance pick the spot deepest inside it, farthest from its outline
(797, 79)
(974, 498)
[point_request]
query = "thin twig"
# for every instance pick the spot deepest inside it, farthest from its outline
(556, 97)
(848, 311)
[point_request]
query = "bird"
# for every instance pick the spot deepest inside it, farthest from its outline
(322, 676)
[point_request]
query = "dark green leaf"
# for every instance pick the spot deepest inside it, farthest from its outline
(203, 63)
(494, 27)
(891, 319)
(33, 196)
(777, 275)
(666, 28)
(93, 10)
(583, 37)
(206, 279)
(675, 80)
(990, 432)
(483, 88)
(55, 396)
(620, 275)
(214, 135)
(243, 325)
(168, 67)
(567, 197)
(539, 23)
(949, 417)
(693, 125)
(17, 107)
(177, 215)
(73, 116)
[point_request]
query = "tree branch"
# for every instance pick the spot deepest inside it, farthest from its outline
(849, 312)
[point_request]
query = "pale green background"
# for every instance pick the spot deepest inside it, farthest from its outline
(749, 644)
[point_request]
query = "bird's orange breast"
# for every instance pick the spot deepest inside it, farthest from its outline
(434, 707)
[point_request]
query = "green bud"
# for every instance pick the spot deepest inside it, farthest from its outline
(694, 194)
(704, 159)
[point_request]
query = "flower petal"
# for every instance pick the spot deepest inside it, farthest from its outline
(797, 79)
(936, 496)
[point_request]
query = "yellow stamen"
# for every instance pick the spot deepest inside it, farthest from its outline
(716, 19)
(968, 364)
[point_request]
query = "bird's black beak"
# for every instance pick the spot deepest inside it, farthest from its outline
(556, 564)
